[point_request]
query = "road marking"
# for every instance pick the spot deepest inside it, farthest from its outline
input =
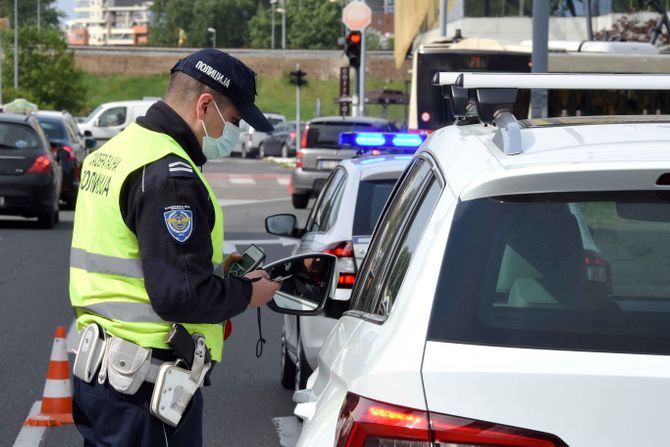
(30, 436)
(235, 202)
(288, 430)
(242, 180)
(284, 181)
(231, 246)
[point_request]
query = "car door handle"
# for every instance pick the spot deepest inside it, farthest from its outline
(304, 396)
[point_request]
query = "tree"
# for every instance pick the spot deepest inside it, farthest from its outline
(631, 29)
(229, 18)
(47, 72)
(49, 15)
(313, 24)
(260, 28)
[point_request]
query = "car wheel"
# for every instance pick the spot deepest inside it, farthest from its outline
(48, 220)
(261, 151)
(300, 201)
(284, 151)
(302, 369)
(287, 365)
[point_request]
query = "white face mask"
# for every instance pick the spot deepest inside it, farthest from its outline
(214, 148)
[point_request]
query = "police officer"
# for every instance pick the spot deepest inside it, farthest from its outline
(147, 240)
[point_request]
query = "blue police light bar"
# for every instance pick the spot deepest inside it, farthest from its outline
(381, 140)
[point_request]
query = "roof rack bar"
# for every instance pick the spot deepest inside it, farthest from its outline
(560, 81)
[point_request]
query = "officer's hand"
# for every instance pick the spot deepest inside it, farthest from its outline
(230, 259)
(263, 289)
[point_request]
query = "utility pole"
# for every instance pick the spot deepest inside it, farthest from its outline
(283, 26)
(443, 18)
(38, 15)
(361, 75)
(273, 4)
(538, 98)
(16, 46)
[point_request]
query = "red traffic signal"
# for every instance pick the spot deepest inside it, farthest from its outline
(353, 48)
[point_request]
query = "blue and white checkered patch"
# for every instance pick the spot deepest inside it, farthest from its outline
(179, 221)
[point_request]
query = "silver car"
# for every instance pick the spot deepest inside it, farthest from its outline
(341, 224)
(320, 152)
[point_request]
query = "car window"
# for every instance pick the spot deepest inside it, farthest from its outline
(372, 195)
(115, 116)
(73, 137)
(17, 136)
(327, 206)
(390, 227)
(406, 249)
(54, 129)
(327, 135)
(580, 271)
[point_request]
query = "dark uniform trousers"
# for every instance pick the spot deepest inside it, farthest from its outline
(105, 417)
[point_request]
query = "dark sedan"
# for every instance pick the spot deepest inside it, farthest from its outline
(64, 135)
(281, 142)
(30, 176)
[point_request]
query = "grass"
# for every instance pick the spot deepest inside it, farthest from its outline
(274, 95)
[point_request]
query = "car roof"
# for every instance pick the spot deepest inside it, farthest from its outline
(347, 119)
(619, 152)
(377, 166)
(15, 117)
(134, 102)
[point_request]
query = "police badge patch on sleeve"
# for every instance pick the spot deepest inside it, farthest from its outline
(179, 221)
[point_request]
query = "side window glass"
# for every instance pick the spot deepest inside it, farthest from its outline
(406, 249)
(71, 133)
(113, 117)
(322, 208)
(387, 231)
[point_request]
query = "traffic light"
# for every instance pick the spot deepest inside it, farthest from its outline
(298, 78)
(352, 48)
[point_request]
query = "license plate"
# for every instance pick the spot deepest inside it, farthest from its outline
(327, 164)
(2, 201)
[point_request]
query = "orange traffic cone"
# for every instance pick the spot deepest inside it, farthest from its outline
(57, 397)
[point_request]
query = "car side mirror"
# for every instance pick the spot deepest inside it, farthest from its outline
(56, 150)
(309, 279)
(281, 225)
(90, 143)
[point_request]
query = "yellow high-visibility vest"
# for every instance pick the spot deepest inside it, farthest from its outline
(106, 277)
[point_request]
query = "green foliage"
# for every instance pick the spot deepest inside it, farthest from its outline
(47, 73)
(49, 15)
(310, 24)
(228, 17)
(122, 87)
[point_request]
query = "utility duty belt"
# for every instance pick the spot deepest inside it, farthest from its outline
(127, 365)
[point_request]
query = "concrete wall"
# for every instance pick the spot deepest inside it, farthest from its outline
(320, 65)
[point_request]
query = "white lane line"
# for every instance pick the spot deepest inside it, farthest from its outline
(236, 202)
(242, 181)
(231, 246)
(284, 181)
(30, 436)
(288, 430)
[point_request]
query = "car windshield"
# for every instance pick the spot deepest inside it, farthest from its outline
(327, 135)
(53, 129)
(92, 114)
(583, 271)
(371, 198)
(17, 136)
(274, 121)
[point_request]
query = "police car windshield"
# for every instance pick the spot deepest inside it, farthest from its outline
(580, 271)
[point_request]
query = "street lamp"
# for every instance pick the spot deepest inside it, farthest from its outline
(272, 32)
(282, 11)
(213, 31)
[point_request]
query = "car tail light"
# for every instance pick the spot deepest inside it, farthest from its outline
(70, 153)
(303, 139)
(41, 165)
(299, 159)
(365, 422)
(597, 267)
(345, 262)
(291, 135)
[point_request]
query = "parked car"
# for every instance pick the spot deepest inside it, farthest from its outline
(340, 223)
(250, 145)
(62, 130)
(110, 118)
(281, 142)
(475, 318)
(30, 176)
(320, 152)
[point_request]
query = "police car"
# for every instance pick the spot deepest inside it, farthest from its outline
(340, 223)
(481, 316)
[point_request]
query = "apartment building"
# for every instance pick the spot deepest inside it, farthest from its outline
(110, 22)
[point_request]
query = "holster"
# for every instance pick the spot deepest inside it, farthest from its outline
(89, 352)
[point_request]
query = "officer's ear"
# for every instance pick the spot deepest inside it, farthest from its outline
(204, 102)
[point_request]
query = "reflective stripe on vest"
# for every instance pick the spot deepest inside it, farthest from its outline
(109, 265)
(130, 312)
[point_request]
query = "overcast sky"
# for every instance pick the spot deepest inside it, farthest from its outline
(67, 6)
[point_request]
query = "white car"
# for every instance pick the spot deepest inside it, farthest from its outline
(250, 139)
(110, 118)
(476, 318)
(340, 223)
